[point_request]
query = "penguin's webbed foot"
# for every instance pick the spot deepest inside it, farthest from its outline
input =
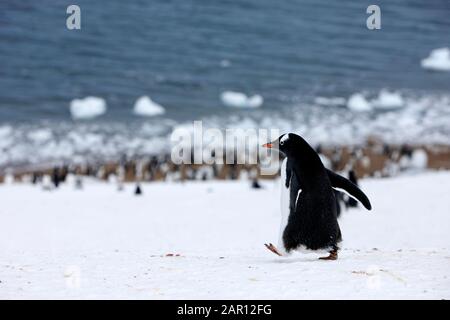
(333, 256)
(272, 248)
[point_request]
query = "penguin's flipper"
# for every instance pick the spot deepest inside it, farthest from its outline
(339, 182)
(294, 192)
(288, 174)
(292, 183)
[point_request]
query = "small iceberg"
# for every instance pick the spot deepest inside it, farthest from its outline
(357, 102)
(438, 60)
(146, 107)
(89, 107)
(240, 100)
(388, 100)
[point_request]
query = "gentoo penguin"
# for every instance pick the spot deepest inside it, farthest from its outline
(56, 177)
(138, 190)
(309, 216)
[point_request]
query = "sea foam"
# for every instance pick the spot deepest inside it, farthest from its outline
(422, 120)
(40, 135)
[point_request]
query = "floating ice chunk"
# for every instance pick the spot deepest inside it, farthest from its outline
(357, 102)
(240, 100)
(388, 100)
(146, 107)
(438, 60)
(89, 107)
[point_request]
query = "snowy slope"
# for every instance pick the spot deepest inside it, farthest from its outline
(101, 243)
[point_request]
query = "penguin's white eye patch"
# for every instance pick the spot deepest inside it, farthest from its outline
(284, 138)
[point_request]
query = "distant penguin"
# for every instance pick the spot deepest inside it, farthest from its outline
(352, 203)
(140, 165)
(204, 173)
(36, 178)
(419, 159)
(8, 178)
(78, 182)
(63, 173)
(47, 182)
(309, 213)
(339, 199)
(255, 184)
(56, 177)
(138, 190)
(120, 177)
(253, 175)
(335, 159)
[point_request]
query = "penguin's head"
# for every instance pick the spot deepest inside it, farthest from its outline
(286, 143)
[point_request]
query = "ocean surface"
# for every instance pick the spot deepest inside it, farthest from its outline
(311, 61)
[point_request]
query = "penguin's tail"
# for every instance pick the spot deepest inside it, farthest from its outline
(340, 183)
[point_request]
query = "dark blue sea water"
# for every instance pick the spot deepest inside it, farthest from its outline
(185, 53)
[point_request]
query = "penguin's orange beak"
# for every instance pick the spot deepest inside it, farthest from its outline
(268, 145)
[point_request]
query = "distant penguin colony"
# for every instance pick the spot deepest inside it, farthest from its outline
(309, 206)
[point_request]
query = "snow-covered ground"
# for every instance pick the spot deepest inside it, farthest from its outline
(102, 243)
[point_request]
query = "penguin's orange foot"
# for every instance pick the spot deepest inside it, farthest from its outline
(333, 256)
(272, 248)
